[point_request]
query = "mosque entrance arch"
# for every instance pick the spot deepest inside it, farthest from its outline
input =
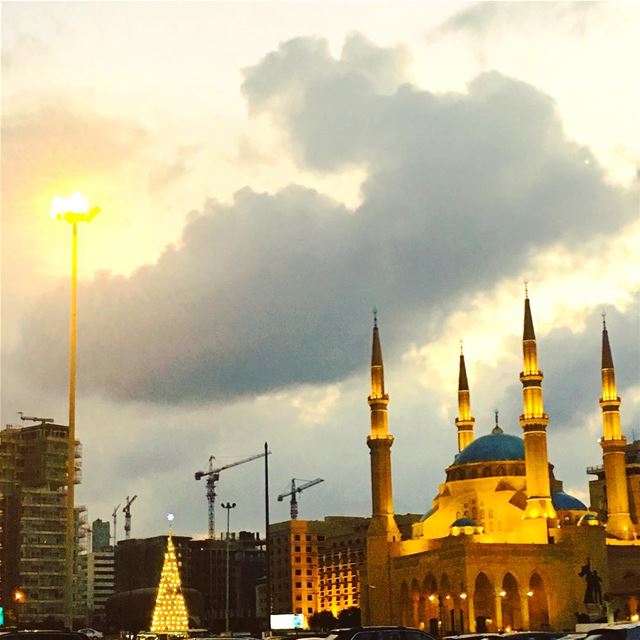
(405, 605)
(483, 603)
(538, 603)
(446, 613)
(430, 590)
(510, 599)
(415, 603)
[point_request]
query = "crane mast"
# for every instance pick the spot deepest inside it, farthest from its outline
(295, 490)
(212, 478)
(127, 517)
(114, 515)
(213, 475)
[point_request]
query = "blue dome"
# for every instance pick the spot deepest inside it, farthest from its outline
(463, 522)
(564, 502)
(495, 446)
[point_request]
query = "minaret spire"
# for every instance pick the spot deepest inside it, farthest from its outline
(534, 423)
(464, 421)
(613, 445)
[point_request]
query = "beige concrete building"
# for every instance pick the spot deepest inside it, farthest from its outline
(503, 546)
(33, 522)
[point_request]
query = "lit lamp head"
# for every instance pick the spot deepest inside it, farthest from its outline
(74, 208)
(18, 595)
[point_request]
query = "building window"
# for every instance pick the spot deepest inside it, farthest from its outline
(298, 573)
(296, 538)
(299, 585)
(297, 549)
(309, 610)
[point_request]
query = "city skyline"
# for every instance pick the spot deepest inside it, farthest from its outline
(261, 193)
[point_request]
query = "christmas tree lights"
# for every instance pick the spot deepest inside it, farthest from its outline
(170, 613)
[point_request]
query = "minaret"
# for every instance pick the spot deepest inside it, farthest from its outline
(464, 421)
(383, 531)
(379, 443)
(613, 448)
(534, 423)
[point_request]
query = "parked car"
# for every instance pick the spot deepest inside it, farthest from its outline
(43, 634)
(477, 636)
(92, 634)
(379, 633)
(616, 631)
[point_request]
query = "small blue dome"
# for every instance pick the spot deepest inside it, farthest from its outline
(564, 502)
(495, 446)
(464, 522)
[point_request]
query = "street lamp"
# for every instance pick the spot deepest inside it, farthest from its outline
(73, 210)
(228, 506)
(19, 598)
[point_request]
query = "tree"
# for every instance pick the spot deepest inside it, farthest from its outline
(170, 613)
(323, 620)
(350, 617)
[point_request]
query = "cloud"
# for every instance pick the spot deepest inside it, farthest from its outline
(53, 139)
(25, 48)
(274, 291)
(482, 17)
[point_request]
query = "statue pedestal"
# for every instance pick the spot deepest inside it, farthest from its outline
(595, 611)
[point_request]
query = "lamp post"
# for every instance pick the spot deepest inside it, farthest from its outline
(228, 506)
(73, 210)
(19, 598)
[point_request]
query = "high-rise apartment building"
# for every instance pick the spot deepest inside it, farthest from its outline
(33, 518)
(100, 584)
(247, 569)
(315, 564)
(100, 535)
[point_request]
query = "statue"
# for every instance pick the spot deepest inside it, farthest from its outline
(593, 590)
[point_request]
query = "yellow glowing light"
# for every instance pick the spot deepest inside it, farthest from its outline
(74, 208)
(635, 617)
(503, 593)
(463, 596)
(75, 203)
(432, 598)
(530, 593)
(19, 596)
(447, 597)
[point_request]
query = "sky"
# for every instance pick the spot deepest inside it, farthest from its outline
(270, 172)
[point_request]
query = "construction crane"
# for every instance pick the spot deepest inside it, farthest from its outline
(127, 517)
(295, 490)
(34, 419)
(114, 515)
(213, 475)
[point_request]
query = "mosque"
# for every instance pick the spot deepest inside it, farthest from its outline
(504, 547)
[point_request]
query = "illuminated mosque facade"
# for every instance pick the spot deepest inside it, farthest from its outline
(504, 547)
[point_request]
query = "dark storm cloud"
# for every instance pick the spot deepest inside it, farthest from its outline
(274, 290)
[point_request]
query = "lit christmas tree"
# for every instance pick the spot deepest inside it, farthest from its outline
(170, 613)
